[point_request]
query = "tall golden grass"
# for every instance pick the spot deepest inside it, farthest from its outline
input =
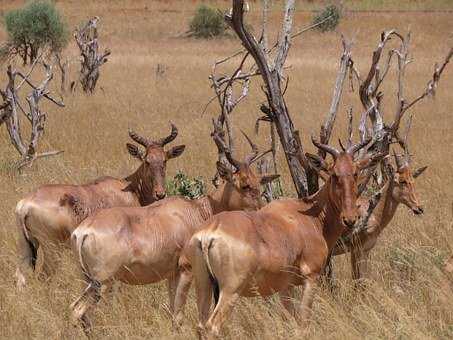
(406, 299)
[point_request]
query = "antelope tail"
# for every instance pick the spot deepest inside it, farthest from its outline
(82, 261)
(22, 211)
(205, 247)
(21, 215)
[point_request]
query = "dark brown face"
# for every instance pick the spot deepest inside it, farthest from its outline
(404, 189)
(343, 177)
(155, 165)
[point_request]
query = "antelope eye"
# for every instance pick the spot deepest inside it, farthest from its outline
(246, 187)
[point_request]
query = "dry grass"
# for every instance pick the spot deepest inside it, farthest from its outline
(404, 301)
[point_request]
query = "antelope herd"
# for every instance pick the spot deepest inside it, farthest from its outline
(230, 242)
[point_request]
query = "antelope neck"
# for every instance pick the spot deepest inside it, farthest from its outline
(219, 198)
(328, 215)
(386, 207)
(141, 186)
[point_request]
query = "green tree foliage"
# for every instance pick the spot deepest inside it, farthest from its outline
(328, 18)
(36, 26)
(185, 186)
(207, 23)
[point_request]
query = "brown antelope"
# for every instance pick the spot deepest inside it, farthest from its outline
(399, 189)
(282, 245)
(47, 217)
(142, 245)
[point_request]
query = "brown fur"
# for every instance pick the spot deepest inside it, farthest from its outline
(142, 245)
(47, 217)
(271, 250)
(398, 190)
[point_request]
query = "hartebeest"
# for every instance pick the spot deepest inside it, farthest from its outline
(284, 244)
(399, 189)
(47, 217)
(142, 245)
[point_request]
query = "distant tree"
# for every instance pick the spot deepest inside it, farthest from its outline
(328, 19)
(36, 26)
(207, 23)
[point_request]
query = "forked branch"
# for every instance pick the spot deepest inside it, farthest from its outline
(277, 110)
(91, 59)
(11, 106)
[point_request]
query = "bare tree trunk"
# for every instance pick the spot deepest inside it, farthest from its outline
(10, 114)
(277, 110)
(63, 66)
(87, 41)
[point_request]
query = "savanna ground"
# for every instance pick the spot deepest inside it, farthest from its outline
(406, 298)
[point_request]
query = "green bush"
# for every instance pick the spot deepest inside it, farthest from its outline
(329, 18)
(185, 186)
(207, 23)
(35, 26)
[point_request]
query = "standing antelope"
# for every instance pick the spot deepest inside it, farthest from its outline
(142, 245)
(47, 217)
(399, 189)
(282, 245)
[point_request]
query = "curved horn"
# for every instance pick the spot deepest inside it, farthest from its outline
(251, 157)
(326, 148)
(170, 138)
(262, 154)
(341, 145)
(139, 139)
(226, 150)
(356, 147)
(399, 160)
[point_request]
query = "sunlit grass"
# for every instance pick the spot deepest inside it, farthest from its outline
(406, 298)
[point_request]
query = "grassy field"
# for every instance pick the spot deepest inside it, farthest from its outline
(407, 298)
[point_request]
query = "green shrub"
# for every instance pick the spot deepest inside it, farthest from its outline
(35, 26)
(330, 18)
(185, 186)
(207, 23)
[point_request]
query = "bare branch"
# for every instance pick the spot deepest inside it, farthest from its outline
(327, 127)
(35, 62)
(350, 129)
(87, 41)
(430, 88)
(278, 111)
(285, 36)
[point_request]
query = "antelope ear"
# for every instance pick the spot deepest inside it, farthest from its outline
(268, 178)
(224, 172)
(134, 151)
(317, 162)
(419, 171)
(175, 151)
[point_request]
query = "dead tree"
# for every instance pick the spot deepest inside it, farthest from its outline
(12, 106)
(225, 93)
(384, 134)
(64, 67)
(91, 60)
(270, 64)
(272, 74)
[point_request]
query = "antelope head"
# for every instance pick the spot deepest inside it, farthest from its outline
(342, 178)
(154, 160)
(404, 183)
(242, 186)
